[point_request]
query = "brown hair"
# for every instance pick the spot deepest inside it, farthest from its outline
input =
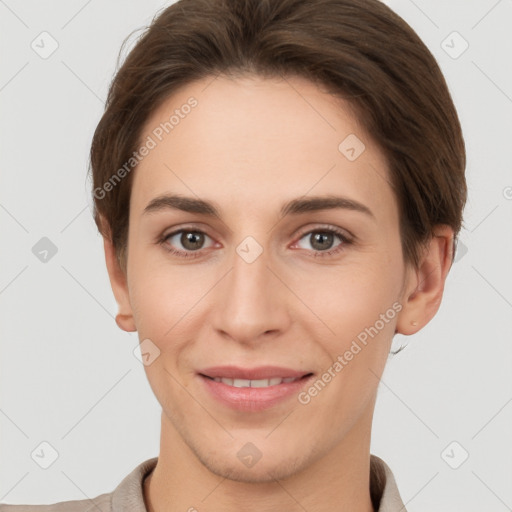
(360, 50)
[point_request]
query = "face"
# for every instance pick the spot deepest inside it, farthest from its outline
(317, 291)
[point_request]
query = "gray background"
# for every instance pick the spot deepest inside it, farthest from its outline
(69, 376)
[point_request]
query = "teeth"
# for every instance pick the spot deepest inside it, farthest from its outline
(261, 383)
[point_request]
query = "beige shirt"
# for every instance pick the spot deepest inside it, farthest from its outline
(128, 495)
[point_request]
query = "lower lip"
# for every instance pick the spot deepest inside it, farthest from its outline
(253, 399)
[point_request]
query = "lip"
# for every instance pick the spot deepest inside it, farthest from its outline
(248, 399)
(260, 372)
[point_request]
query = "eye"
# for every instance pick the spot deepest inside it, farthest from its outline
(322, 240)
(192, 241)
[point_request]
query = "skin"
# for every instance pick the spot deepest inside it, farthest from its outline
(250, 145)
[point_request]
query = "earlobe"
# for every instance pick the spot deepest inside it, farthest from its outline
(118, 282)
(125, 322)
(425, 285)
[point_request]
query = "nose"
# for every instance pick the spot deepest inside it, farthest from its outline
(251, 301)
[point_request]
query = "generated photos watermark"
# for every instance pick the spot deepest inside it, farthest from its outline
(150, 143)
(304, 397)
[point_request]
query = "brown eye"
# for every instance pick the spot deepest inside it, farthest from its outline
(323, 240)
(191, 240)
(187, 241)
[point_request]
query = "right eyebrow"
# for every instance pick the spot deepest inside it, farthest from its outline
(186, 204)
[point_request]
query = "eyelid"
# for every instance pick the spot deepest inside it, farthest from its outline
(346, 237)
(328, 227)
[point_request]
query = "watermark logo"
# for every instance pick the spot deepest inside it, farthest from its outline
(44, 45)
(249, 249)
(455, 455)
(44, 250)
(460, 251)
(351, 147)
(147, 352)
(249, 454)
(44, 455)
(454, 45)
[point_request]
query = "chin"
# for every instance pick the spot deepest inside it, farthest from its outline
(263, 471)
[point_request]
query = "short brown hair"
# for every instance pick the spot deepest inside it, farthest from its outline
(360, 50)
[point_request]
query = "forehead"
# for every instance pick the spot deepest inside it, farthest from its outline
(248, 139)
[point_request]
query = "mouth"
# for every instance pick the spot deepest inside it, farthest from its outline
(252, 389)
(256, 383)
(260, 376)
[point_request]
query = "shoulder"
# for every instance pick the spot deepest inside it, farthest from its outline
(128, 495)
(102, 503)
(383, 488)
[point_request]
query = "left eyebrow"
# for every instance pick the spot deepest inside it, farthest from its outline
(317, 203)
(293, 207)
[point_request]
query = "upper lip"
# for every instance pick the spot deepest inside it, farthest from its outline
(260, 372)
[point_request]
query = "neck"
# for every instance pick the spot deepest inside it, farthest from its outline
(336, 480)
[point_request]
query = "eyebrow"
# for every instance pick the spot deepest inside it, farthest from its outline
(293, 207)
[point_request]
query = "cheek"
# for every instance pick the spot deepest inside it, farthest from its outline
(166, 298)
(349, 298)
(163, 306)
(358, 307)
(361, 314)
(148, 299)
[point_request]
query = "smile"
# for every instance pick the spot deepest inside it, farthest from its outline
(260, 383)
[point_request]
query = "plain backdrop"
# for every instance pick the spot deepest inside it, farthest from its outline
(69, 376)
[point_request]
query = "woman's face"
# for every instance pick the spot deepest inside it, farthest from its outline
(315, 291)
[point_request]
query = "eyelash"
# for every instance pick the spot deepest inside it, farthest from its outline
(322, 254)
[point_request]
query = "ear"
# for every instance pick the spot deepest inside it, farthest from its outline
(425, 285)
(118, 281)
